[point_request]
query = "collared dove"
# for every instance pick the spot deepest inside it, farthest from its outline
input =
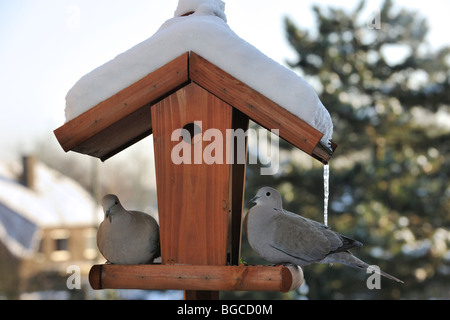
(280, 236)
(127, 237)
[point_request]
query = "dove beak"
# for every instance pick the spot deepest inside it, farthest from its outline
(108, 214)
(253, 200)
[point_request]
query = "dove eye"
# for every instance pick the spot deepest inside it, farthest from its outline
(268, 194)
(116, 202)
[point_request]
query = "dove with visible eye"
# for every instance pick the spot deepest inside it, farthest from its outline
(280, 236)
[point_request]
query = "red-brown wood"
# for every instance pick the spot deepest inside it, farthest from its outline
(124, 118)
(193, 199)
(193, 278)
(257, 107)
(237, 183)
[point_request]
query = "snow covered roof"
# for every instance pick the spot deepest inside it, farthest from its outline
(55, 201)
(206, 32)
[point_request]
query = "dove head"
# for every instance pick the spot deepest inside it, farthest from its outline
(268, 196)
(110, 204)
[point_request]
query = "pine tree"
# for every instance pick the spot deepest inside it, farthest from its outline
(389, 176)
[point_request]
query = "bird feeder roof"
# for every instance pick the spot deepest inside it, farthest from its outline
(125, 117)
(109, 108)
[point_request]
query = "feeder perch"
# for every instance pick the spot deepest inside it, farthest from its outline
(199, 205)
(196, 277)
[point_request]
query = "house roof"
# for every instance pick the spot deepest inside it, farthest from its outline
(55, 201)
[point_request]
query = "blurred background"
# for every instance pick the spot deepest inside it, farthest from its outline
(381, 67)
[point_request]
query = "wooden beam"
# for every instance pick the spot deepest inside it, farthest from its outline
(237, 185)
(257, 107)
(199, 278)
(124, 118)
(323, 153)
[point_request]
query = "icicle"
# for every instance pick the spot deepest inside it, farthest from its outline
(326, 191)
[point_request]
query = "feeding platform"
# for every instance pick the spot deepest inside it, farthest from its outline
(199, 205)
(196, 277)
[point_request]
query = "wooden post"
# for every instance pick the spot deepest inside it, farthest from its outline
(237, 184)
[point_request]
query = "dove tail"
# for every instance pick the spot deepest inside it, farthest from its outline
(385, 274)
(350, 260)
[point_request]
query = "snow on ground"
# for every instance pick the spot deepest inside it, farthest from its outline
(206, 33)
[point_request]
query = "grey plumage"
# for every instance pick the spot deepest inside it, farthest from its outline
(280, 236)
(127, 237)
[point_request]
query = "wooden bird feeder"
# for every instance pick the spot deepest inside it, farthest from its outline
(200, 205)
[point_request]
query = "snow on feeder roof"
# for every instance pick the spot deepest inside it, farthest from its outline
(205, 32)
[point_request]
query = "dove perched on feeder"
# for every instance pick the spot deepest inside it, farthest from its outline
(127, 237)
(280, 236)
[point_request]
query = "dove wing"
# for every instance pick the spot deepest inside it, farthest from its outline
(306, 239)
(339, 242)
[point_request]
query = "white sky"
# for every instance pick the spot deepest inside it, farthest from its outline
(47, 45)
